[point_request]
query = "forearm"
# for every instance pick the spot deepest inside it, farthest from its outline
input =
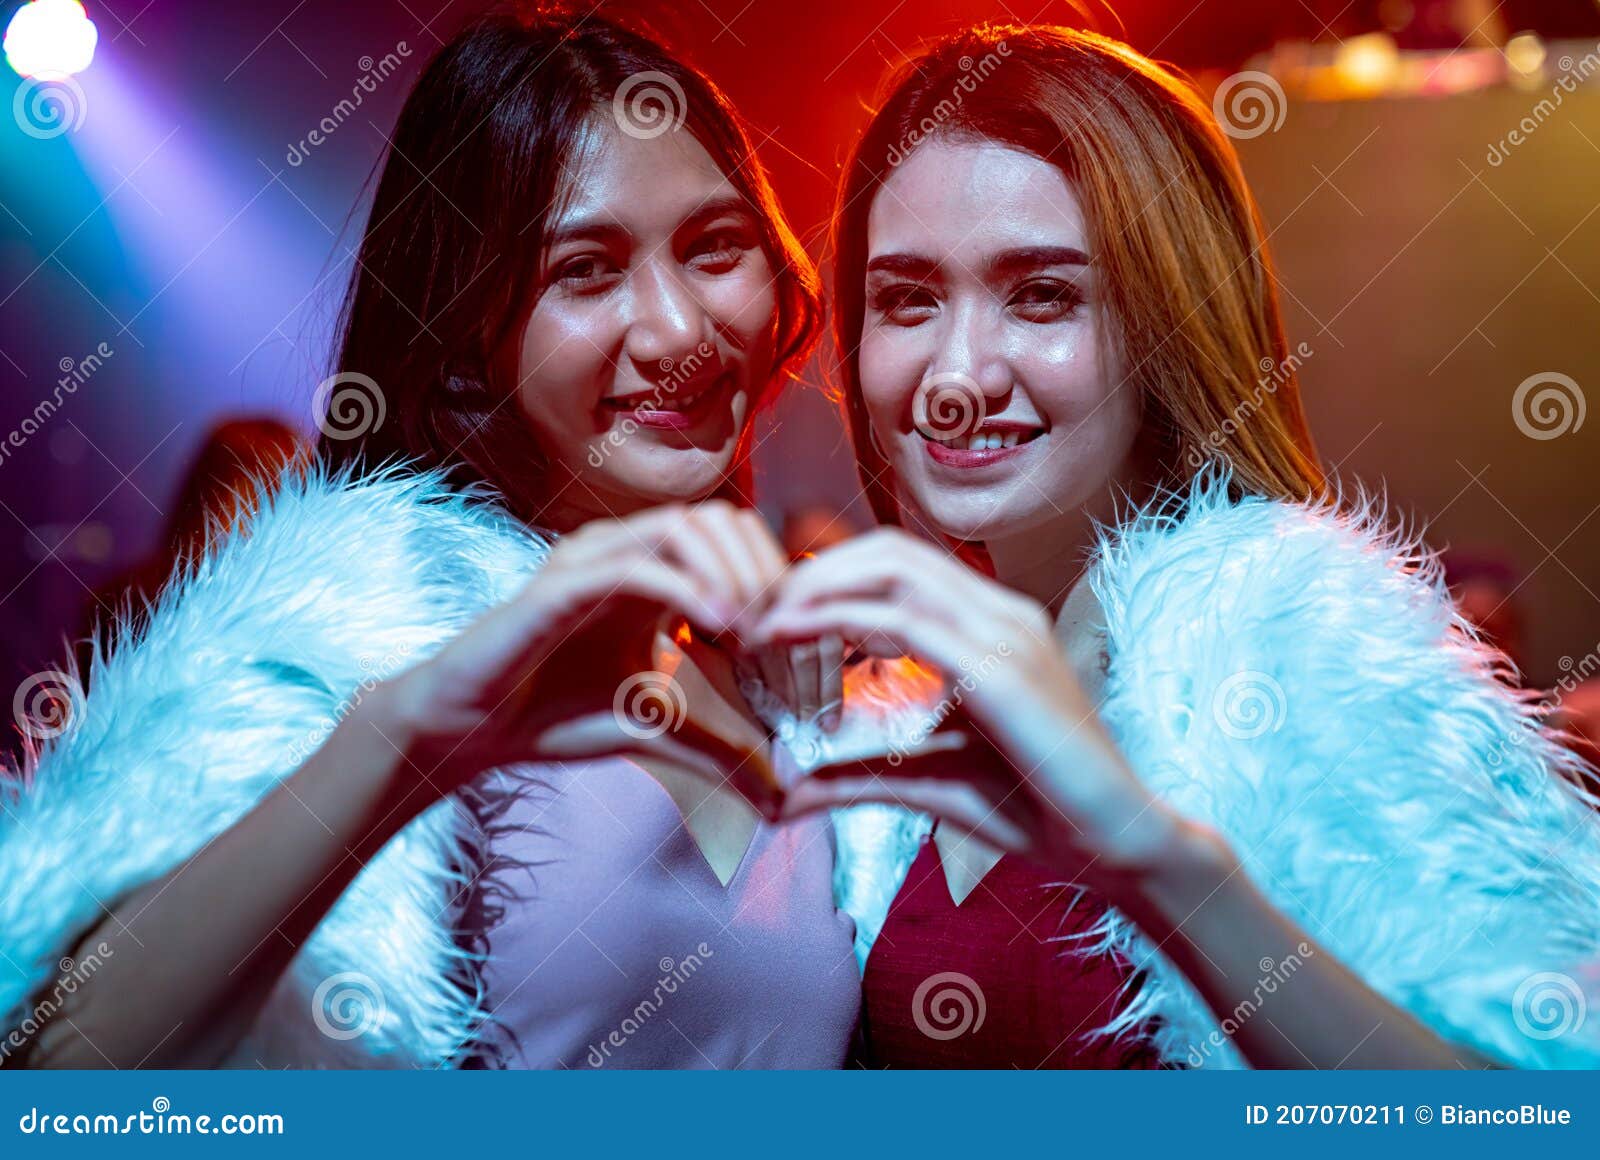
(1286, 1000)
(191, 957)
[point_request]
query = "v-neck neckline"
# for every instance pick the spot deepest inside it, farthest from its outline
(683, 823)
(944, 873)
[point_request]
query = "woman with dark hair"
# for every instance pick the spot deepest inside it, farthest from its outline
(1303, 823)
(355, 794)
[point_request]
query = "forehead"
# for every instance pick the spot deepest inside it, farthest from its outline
(959, 197)
(615, 177)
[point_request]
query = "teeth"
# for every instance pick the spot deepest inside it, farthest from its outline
(665, 402)
(986, 441)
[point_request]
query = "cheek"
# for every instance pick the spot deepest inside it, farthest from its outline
(561, 369)
(890, 371)
(745, 307)
(1065, 374)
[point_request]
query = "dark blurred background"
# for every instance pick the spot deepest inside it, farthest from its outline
(175, 252)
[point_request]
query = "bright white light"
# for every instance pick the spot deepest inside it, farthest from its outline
(50, 38)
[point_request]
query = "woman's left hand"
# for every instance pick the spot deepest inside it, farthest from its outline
(1037, 774)
(807, 676)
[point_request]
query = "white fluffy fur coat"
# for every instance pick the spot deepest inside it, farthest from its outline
(1294, 677)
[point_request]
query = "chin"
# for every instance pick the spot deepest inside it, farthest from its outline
(677, 476)
(984, 516)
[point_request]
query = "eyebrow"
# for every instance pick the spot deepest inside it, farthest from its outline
(1006, 262)
(579, 228)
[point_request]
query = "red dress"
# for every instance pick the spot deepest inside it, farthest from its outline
(985, 984)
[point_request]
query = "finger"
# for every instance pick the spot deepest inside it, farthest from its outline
(692, 548)
(722, 535)
(887, 563)
(645, 578)
(778, 675)
(830, 651)
(948, 754)
(806, 664)
(872, 624)
(958, 805)
(765, 550)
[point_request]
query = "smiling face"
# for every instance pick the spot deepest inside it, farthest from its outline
(986, 363)
(654, 329)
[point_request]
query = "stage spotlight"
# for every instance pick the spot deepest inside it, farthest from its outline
(50, 38)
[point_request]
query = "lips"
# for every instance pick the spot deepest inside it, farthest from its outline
(673, 408)
(990, 443)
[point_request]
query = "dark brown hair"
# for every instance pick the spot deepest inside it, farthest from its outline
(448, 265)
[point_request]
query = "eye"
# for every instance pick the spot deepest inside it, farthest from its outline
(587, 273)
(904, 303)
(1045, 300)
(719, 252)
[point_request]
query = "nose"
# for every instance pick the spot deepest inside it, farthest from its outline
(667, 322)
(972, 349)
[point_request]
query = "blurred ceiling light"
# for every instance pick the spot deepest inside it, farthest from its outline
(50, 38)
(1525, 57)
(1367, 65)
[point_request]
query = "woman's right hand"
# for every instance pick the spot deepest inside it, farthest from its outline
(572, 667)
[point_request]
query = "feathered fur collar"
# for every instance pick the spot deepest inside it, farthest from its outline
(1292, 676)
(1297, 678)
